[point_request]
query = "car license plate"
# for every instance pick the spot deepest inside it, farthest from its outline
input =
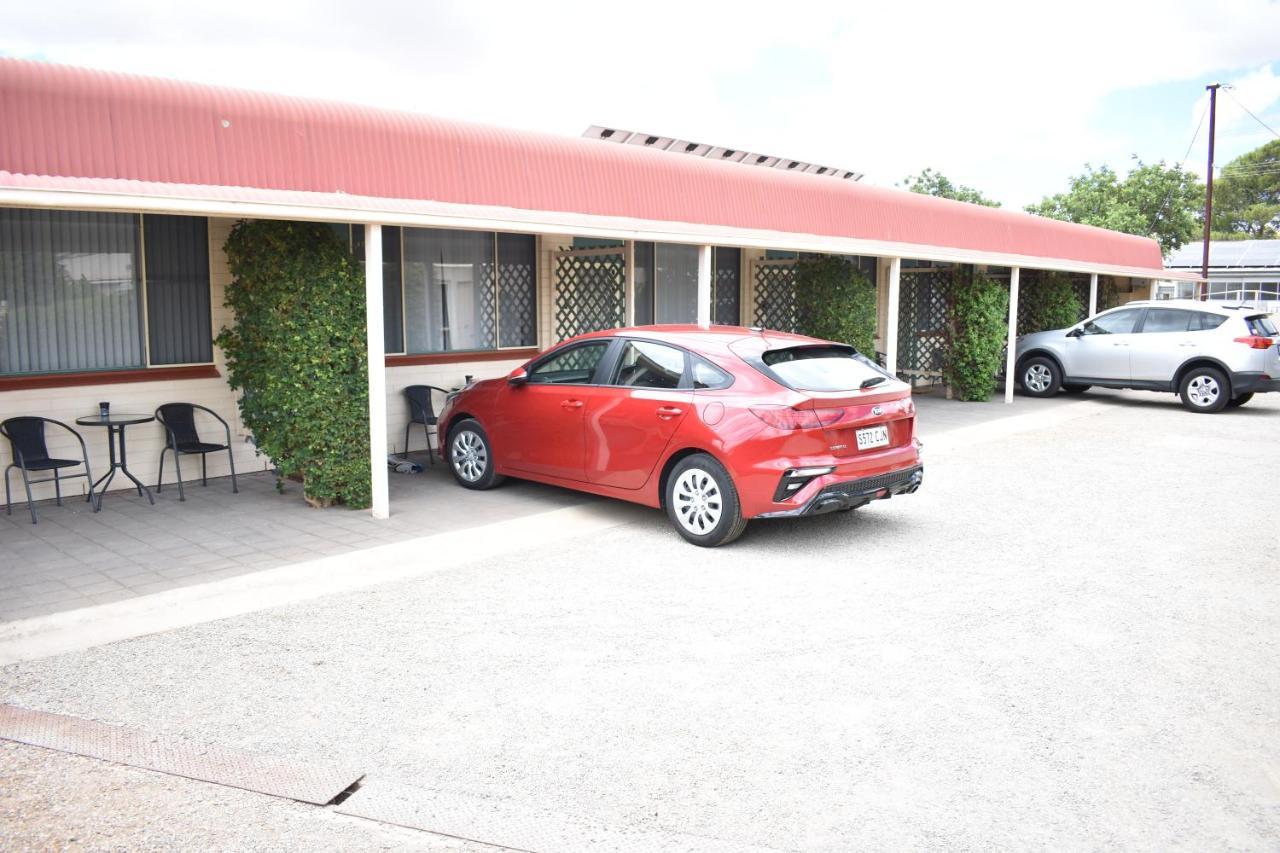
(876, 436)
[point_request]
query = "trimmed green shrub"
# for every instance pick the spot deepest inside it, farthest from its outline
(1050, 302)
(297, 352)
(977, 326)
(835, 301)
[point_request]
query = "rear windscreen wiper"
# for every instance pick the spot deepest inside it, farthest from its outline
(873, 381)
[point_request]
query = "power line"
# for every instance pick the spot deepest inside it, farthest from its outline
(1181, 164)
(1255, 118)
(1249, 168)
(1194, 136)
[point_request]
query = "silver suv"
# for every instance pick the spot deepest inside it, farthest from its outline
(1213, 356)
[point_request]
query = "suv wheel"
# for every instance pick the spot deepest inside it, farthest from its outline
(1039, 377)
(1205, 389)
(471, 457)
(702, 502)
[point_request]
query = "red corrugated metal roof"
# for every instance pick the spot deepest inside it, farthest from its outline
(66, 122)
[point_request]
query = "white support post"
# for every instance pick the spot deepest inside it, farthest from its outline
(1154, 287)
(704, 286)
(1093, 294)
(1013, 334)
(377, 369)
(629, 313)
(891, 316)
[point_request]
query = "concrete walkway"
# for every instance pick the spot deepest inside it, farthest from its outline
(76, 558)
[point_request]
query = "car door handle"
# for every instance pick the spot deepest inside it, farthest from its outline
(669, 412)
(571, 404)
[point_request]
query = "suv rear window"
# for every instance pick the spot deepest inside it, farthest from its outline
(821, 368)
(1261, 325)
(1203, 321)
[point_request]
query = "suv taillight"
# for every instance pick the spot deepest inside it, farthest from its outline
(787, 418)
(1256, 342)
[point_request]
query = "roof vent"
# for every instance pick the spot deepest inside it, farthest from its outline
(715, 152)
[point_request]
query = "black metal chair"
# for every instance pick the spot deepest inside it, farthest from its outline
(181, 436)
(422, 410)
(31, 453)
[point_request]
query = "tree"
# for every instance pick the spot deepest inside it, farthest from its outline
(1246, 199)
(929, 182)
(1153, 200)
(836, 302)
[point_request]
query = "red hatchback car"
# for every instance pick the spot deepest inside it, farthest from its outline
(715, 425)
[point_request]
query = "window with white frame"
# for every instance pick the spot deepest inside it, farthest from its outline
(86, 291)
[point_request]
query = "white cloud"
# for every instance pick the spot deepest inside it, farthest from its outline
(999, 95)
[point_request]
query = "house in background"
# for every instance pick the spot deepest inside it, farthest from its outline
(480, 245)
(1240, 271)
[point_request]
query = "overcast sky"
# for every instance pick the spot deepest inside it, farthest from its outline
(1011, 98)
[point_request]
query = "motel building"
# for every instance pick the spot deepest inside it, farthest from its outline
(480, 246)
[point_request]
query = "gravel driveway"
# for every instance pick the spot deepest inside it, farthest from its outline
(1069, 638)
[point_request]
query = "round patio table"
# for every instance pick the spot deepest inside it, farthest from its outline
(115, 424)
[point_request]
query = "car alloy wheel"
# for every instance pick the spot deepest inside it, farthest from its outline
(698, 502)
(1037, 378)
(469, 456)
(1204, 391)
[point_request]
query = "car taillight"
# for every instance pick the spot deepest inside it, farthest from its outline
(785, 417)
(1256, 342)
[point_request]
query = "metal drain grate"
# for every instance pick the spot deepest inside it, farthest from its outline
(506, 824)
(265, 774)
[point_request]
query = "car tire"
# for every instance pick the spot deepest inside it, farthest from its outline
(470, 456)
(1076, 389)
(1205, 390)
(1039, 377)
(702, 502)
(1239, 400)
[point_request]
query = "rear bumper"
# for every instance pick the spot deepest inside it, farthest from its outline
(855, 493)
(1253, 383)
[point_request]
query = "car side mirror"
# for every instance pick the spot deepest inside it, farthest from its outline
(1076, 332)
(517, 377)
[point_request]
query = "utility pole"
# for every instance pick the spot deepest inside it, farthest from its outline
(1203, 286)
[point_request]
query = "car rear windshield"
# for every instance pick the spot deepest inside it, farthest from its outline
(821, 368)
(1261, 325)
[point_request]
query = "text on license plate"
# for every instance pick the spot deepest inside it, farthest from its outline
(876, 436)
